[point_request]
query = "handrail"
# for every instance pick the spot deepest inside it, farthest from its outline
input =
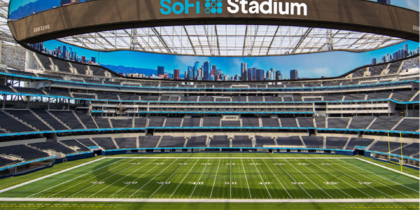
(206, 102)
(187, 88)
(205, 128)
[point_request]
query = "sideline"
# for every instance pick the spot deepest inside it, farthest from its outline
(237, 157)
(393, 170)
(147, 200)
(47, 176)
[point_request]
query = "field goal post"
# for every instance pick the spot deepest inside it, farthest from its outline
(401, 161)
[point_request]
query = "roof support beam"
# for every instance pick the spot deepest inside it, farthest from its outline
(332, 37)
(161, 39)
(205, 27)
(217, 39)
(96, 41)
(246, 36)
(301, 40)
(145, 41)
(100, 35)
(272, 40)
(256, 40)
(189, 39)
(133, 36)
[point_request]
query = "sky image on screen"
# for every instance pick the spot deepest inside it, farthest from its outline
(317, 65)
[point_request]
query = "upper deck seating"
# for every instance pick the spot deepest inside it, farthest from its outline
(12, 124)
(42, 113)
(69, 118)
(28, 117)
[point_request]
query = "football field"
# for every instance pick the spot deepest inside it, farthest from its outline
(172, 179)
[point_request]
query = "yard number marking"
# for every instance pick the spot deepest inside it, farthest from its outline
(298, 183)
(365, 183)
(94, 183)
(331, 183)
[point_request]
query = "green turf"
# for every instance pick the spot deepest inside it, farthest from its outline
(216, 178)
(203, 206)
(225, 154)
(11, 181)
(268, 155)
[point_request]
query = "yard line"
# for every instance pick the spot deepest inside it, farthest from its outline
(199, 178)
(153, 178)
(86, 180)
(184, 178)
(230, 177)
(168, 178)
(309, 179)
(376, 180)
(390, 202)
(382, 177)
(246, 179)
(137, 177)
(277, 179)
(292, 178)
(74, 178)
(360, 181)
(341, 179)
(95, 177)
(211, 194)
(262, 179)
(326, 180)
(120, 179)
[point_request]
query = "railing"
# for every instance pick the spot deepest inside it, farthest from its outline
(203, 102)
(210, 128)
(197, 89)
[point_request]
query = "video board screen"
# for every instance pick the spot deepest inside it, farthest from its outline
(199, 68)
(22, 8)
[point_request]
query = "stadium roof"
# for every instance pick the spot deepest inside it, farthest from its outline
(220, 40)
(231, 40)
(5, 33)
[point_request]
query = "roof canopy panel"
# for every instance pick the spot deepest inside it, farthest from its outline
(231, 40)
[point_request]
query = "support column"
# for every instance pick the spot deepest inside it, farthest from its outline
(29, 60)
